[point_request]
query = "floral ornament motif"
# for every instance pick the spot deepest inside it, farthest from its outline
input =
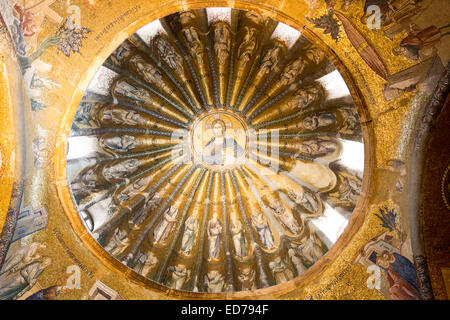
(327, 22)
(70, 38)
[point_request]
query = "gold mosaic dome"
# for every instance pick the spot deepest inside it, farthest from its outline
(216, 150)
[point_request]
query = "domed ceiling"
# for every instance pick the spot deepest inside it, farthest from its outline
(216, 150)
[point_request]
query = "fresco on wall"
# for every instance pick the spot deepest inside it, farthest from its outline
(394, 17)
(24, 22)
(398, 275)
(276, 219)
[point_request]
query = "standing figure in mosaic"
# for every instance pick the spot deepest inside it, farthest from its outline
(280, 270)
(285, 217)
(214, 236)
(259, 222)
(222, 42)
(304, 198)
(15, 284)
(146, 263)
(247, 279)
(214, 281)
(167, 224)
(178, 276)
(247, 46)
(317, 120)
(237, 234)
(190, 233)
(119, 242)
(122, 143)
(169, 55)
(309, 250)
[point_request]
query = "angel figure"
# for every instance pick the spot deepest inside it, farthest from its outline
(285, 217)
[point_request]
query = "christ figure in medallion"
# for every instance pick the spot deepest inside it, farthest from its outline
(221, 150)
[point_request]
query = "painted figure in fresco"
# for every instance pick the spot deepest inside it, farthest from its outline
(214, 236)
(259, 222)
(350, 189)
(412, 44)
(145, 263)
(122, 143)
(400, 274)
(120, 53)
(178, 276)
(237, 234)
(22, 257)
(285, 217)
(304, 198)
(190, 233)
(150, 73)
(318, 147)
(222, 42)
(194, 43)
(165, 227)
(299, 266)
(313, 53)
(83, 114)
(247, 46)
(214, 281)
(169, 55)
(304, 97)
(85, 182)
(280, 270)
(16, 284)
(121, 116)
(292, 71)
(317, 120)
(49, 293)
(247, 279)
(221, 150)
(133, 93)
(119, 242)
(309, 250)
(41, 151)
(270, 59)
(121, 169)
(152, 203)
(132, 189)
(351, 121)
(38, 81)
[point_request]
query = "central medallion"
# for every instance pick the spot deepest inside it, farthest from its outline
(219, 139)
